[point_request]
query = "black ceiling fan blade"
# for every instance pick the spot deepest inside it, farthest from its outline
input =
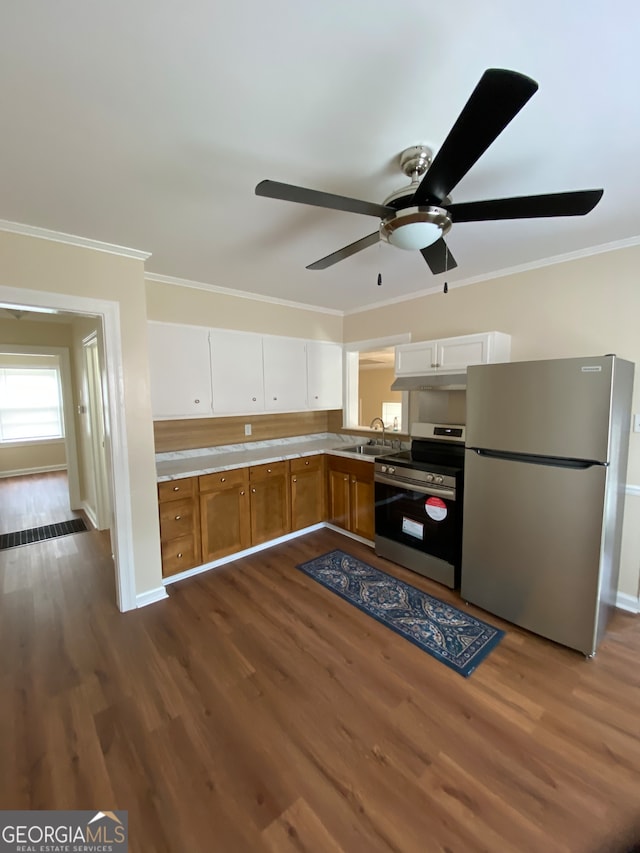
(527, 207)
(496, 100)
(439, 258)
(289, 192)
(349, 250)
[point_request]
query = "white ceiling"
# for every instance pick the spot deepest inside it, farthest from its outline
(148, 124)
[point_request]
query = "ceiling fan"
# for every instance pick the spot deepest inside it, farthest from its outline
(418, 216)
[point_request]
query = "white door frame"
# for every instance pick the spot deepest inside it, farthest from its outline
(95, 413)
(122, 529)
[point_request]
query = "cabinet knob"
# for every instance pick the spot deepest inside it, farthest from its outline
(434, 365)
(254, 399)
(178, 517)
(196, 401)
(316, 397)
(223, 479)
(179, 555)
(268, 470)
(353, 480)
(295, 479)
(307, 462)
(176, 488)
(242, 492)
(275, 398)
(346, 479)
(254, 491)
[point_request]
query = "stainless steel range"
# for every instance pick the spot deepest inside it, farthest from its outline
(418, 503)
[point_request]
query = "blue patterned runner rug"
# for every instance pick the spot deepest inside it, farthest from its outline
(457, 639)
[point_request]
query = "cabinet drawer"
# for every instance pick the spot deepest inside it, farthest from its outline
(271, 469)
(178, 555)
(306, 463)
(176, 519)
(223, 479)
(174, 490)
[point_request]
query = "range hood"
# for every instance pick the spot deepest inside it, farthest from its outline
(431, 381)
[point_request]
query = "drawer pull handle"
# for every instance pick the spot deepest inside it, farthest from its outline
(176, 488)
(178, 517)
(346, 479)
(196, 401)
(179, 555)
(268, 470)
(254, 491)
(295, 479)
(307, 462)
(223, 479)
(242, 492)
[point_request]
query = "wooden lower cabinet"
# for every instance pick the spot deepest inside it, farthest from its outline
(179, 525)
(224, 513)
(351, 495)
(270, 501)
(308, 500)
(205, 518)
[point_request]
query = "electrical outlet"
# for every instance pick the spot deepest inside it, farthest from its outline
(636, 423)
(247, 429)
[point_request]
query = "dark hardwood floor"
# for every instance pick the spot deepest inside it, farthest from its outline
(256, 711)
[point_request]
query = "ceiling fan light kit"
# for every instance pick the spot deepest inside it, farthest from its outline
(415, 227)
(417, 217)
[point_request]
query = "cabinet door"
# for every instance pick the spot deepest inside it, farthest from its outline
(224, 521)
(270, 506)
(307, 492)
(416, 359)
(362, 502)
(285, 374)
(324, 375)
(339, 498)
(236, 372)
(180, 371)
(459, 353)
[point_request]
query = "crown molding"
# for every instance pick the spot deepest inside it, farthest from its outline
(532, 265)
(72, 240)
(240, 294)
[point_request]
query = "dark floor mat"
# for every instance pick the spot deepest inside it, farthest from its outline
(37, 534)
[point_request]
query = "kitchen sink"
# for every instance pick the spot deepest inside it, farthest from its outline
(368, 449)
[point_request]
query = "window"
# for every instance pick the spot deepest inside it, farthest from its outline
(30, 404)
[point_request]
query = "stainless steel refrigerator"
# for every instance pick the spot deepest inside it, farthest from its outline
(545, 470)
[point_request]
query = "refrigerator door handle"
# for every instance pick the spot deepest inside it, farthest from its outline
(534, 459)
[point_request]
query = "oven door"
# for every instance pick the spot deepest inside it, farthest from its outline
(420, 517)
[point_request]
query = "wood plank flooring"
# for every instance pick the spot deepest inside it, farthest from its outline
(34, 500)
(254, 710)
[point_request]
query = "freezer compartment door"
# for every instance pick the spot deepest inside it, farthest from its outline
(559, 407)
(531, 547)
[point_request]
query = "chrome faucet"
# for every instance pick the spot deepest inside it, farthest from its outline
(375, 420)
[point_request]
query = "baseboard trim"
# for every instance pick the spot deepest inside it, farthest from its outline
(87, 509)
(630, 603)
(150, 597)
(264, 546)
(349, 534)
(632, 489)
(20, 472)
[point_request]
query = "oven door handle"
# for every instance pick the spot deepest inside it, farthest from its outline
(440, 492)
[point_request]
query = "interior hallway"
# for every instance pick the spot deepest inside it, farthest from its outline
(34, 500)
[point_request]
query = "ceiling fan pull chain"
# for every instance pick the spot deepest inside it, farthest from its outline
(446, 263)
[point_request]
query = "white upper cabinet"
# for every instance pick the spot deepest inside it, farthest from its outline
(236, 372)
(452, 355)
(200, 372)
(324, 375)
(285, 374)
(179, 369)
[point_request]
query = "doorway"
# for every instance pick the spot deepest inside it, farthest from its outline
(116, 447)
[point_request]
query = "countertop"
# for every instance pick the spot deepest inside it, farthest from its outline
(210, 460)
